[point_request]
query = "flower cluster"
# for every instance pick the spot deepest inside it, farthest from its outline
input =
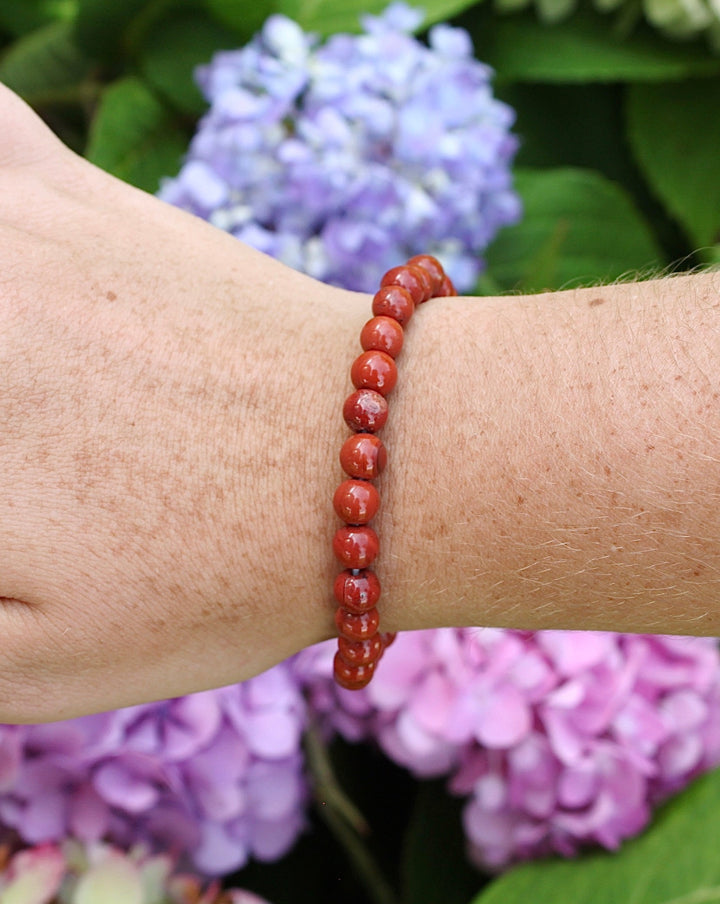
(216, 776)
(343, 158)
(557, 738)
(675, 18)
(100, 874)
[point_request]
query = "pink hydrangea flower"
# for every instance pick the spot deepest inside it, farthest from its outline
(556, 738)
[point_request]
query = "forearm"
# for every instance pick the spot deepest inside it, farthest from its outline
(171, 403)
(555, 462)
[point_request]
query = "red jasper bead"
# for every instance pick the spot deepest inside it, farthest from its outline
(414, 279)
(395, 302)
(388, 638)
(356, 501)
(447, 288)
(360, 652)
(352, 677)
(357, 627)
(374, 370)
(384, 334)
(365, 411)
(356, 547)
(363, 456)
(357, 591)
(432, 266)
(426, 279)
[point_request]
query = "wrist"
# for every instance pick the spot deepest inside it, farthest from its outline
(286, 427)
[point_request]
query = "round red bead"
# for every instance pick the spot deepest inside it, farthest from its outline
(426, 280)
(356, 501)
(356, 547)
(365, 411)
(388, 638)
(352, 677)
(413, 279)
(446, 288)
(363, 456)
(432, 266)
(395, 302)
(357, 591)
(360, 652)
(374, 370)
(355, 626)
(384, 334)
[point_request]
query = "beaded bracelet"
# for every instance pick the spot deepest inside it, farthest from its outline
(363, 457)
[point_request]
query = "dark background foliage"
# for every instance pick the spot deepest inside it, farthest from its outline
(618, 170)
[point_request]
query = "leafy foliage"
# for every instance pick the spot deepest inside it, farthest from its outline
(618, 170)
(132, 135)
(588, 48)
(43, 63)
(676, 142)
(674, 861)
(558, 244)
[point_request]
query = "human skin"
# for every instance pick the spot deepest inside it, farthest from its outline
(170, 402)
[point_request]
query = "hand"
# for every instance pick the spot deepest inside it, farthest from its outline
(168, 450)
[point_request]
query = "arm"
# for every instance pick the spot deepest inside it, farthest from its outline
(560, 461)
(171, 409)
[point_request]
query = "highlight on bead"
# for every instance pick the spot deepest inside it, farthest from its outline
(374, 370)
(357, 590)
(382, 334)
(356, 501)
(394, 301)
(365, 410)
(363, 457)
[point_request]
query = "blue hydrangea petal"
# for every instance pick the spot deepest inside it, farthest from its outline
(341, 158)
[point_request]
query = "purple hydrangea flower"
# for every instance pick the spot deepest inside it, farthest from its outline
(344, 158)
(215, 776)
(558, 738)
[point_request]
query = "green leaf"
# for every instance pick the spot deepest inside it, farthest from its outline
(331, 16)
(43, 64)
(674, 862)
(675, 137)
(586, 47)
(110, 28)
(434, 866)
(20, 18)
(578, 228)
(324, 17)
(172, 51)
(101, 24)
(570, 125)
(242, 17)
(585, 126)
(134, 137)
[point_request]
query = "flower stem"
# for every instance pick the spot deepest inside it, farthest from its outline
(345, 821)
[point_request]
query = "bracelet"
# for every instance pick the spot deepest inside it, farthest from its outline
(363, 457)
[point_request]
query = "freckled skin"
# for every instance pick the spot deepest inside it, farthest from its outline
(170, 433)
